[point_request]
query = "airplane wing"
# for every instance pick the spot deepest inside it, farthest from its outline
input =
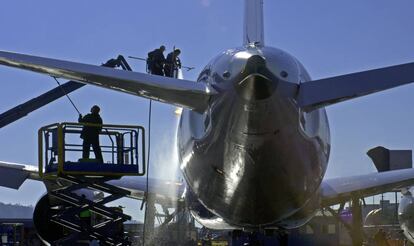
(179, 92)
(172, 190)
(324, 92)
(337, 190)
(13, 175)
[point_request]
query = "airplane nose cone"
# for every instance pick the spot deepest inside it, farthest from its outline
(256, 85)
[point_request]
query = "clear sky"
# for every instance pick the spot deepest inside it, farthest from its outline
(328, 37)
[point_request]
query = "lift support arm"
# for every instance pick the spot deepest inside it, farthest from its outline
(24, 109)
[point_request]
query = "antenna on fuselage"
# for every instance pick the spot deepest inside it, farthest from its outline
(253, 32)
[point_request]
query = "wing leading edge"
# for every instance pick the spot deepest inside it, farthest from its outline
(338, 190)
(178, 92)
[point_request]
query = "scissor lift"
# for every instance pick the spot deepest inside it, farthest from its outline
(76, 180)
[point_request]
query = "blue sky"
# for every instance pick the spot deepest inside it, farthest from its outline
(328, 37)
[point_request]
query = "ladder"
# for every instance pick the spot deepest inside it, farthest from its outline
(108, 230)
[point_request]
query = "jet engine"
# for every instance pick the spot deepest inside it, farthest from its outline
(45, 209)
(46, 230)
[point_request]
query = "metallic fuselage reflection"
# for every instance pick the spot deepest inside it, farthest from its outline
(406, 215)
(253, 158)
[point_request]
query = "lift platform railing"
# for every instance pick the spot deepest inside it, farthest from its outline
(60, 151)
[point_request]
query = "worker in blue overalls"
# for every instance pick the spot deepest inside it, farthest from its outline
(90, 134)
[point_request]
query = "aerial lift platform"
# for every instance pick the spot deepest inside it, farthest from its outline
(65, 174)
(76, 181)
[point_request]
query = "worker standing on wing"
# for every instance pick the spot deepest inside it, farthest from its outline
(156, 61)
(173, 64)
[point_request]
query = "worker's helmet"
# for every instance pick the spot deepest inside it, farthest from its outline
(95, 109)
(177, 51)
(162, 48)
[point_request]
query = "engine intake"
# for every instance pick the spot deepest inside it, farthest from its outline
(46, 230)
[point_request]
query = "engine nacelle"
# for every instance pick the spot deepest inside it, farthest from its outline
(406, 215)
(46, 230)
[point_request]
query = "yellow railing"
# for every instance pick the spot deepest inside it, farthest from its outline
(58, 149)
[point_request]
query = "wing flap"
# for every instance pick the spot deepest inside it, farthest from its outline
(337, 190)
(178, 92)
(324, 92)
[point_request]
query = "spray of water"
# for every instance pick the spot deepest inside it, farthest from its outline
(164, 155)
(164, 161)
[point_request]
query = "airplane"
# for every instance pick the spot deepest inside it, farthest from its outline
(375, 218)
(405, 214)
(381, 157)
(253, 137)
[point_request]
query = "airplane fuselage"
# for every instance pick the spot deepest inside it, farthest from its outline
(253, 157)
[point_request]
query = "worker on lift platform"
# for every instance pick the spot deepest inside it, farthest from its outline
(90, 134)
(156, 61)
(173, 63)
